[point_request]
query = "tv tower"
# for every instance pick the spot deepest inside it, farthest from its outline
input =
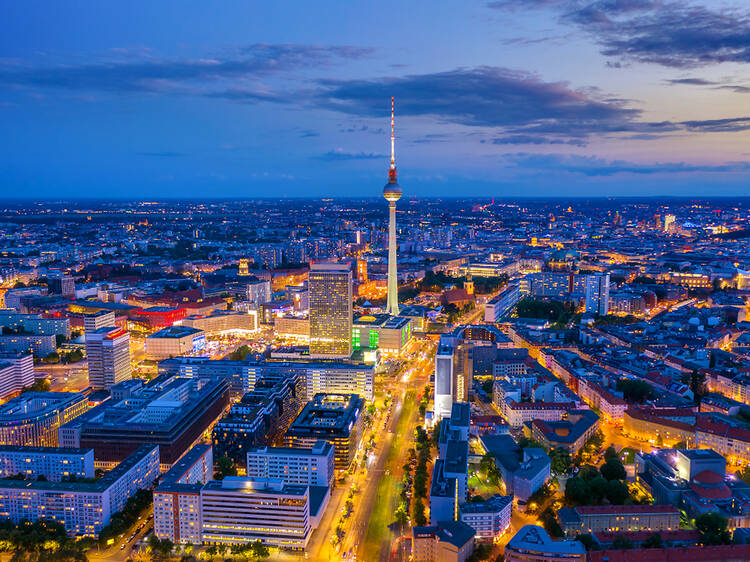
(392, 193)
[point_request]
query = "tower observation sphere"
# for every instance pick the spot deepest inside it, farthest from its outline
(392, 192)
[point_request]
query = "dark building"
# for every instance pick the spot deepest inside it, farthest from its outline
(171, 413)
(260, 418)
(336, 418)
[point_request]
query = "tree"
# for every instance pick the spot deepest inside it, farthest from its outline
(259, 551)
(225, 467)
(621, 543)
(402, 516)
(613, 470)
(526, 442)
(610, 453)
(560, 459)
(697, 383)
(577, 490)
(598, 487)
(617, 492)
(713, 528)
(419, 516)
(634, 390)
(587, 541)
(489, 467)
(654, 541)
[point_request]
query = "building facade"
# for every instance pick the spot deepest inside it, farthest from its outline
(330, 310)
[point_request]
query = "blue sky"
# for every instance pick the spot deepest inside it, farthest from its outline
(494, 98)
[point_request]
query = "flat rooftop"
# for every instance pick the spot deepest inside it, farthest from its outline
(175, 332)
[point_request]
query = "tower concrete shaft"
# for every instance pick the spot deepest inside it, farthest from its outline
(392, 307)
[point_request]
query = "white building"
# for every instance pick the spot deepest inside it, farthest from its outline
(301, 466)
(496, 308)
(490, 518)
(174, 341)
(16, 372)
(108, 352)
(83, 507)
(240, 510)
(177, 515)
(96, 320)
(54, 463)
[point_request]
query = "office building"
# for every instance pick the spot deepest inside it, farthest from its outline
(174, 341)
(533, 544)
(260, 418)
(258, 292)
(172, 414)
(40, 345)
(53, 463)
(16, 373)
(177, 515)
(108, 353)
(84, 508)
(336, 418)
(34, 323)
(99, 319)
(489, 518)
(330, 310)
(467, 351)
(220, 322)
(445, 541)
(33, 418)
(609, 518)
(597, 294)
(503, 304)
(300, 466)
(387, 334)
(243, 510)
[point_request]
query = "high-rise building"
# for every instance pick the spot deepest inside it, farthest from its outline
(392, 193)
(597, 294)
(244, 266)
(108, 352)
(98, 319)
(669, 220)
(330, 310)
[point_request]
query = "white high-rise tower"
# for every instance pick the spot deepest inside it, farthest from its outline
(392, 193)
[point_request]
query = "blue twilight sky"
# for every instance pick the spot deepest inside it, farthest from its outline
(499, 98)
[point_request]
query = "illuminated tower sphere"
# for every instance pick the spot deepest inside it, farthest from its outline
(392, 193)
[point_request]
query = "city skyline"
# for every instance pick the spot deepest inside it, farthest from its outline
(499, 99)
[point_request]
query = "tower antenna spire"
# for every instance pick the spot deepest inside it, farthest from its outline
(392, 170)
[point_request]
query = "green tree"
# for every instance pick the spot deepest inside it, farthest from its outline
(402, 516)
(418, 513)
(613, 470)
(577, 491)
(259, 551)
(621, 543)
(598, 487)
(697, 383)
(713, 528)
(635, 390)
(654, 541)
(560, 460)
(224, 467)
(610, 453)
(617, 492)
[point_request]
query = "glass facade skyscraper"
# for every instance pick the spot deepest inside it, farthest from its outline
(330, 287)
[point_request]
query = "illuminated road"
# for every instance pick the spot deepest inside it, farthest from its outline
(378, 495)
